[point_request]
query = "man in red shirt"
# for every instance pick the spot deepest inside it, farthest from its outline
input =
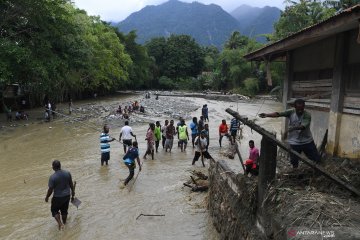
(223, 131)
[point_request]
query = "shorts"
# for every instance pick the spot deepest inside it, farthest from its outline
(169, 143)
(127, 142)
(233, 133)
(206, 154)
(60, 204)
(105, 157)
(150, 146)
(183, 141)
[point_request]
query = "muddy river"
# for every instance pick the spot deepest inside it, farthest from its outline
(107, 211)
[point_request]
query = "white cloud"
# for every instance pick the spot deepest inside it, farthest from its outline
(117, 10)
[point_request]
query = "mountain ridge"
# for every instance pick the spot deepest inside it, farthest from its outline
(207, 24)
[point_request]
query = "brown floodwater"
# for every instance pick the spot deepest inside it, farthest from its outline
(107, 211)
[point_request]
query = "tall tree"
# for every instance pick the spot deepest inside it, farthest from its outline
(340, 5)
(141, 74)
(236, 41)
(300, 14)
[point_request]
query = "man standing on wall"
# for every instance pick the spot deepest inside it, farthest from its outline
(299, 134)
(60, 183)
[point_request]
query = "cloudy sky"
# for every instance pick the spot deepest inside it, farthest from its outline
(117, 10)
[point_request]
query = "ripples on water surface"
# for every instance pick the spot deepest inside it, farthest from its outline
(106, 212)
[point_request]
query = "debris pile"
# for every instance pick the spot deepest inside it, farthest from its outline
(304, 198)
(198, 182)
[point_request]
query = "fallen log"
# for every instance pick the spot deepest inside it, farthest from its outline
(197, 188)
(303, 159)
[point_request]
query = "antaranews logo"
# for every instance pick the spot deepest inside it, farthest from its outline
(291, 233)
(294, 233)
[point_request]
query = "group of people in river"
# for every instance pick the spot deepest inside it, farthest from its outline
(300, 139)
(128, 109)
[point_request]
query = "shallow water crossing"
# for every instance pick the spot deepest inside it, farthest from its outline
(107, 211)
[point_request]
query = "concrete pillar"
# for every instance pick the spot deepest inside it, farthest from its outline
(337, 95)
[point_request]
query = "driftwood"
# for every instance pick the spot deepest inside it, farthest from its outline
(198, 185)
(197, 188)
(200, 175)
(150, 215)
(303, 159)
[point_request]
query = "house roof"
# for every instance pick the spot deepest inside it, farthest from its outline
(346, 20)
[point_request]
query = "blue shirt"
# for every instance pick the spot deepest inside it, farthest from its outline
(204, 111)
(104, 142)
(131, 155)
(234, 124)
(194, 129)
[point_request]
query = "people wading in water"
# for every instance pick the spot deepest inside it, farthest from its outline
(163, 132)
(201, 144)
(129, 160)
(105, 146)
(170, 133)
(157, 133)
(127, 133)
(183, 135)
(61, 184)
(150, 138)
(194, 130)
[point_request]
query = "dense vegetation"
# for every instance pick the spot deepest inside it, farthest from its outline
(51, 48)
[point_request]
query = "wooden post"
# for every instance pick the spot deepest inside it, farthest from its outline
(267, 167)
(337, 95)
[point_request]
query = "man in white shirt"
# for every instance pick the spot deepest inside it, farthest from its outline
(201, 144)
(127, 134)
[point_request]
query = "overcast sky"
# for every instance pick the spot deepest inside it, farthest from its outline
(118, 10)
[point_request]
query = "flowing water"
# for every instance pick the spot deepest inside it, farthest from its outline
(107, 211)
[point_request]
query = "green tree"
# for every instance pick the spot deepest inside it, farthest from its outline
(211, 55)
(141, 74)
(340, 5)
(179, 56)
(50, 47)
(236, 41)
(300, 14)
(183, 57)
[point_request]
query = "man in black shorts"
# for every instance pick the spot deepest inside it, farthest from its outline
(201, 151)
(60, 183)
(127, 134)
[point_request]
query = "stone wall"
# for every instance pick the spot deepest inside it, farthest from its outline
(232, 203)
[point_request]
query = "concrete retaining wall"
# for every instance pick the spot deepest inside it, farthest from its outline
(232, 203)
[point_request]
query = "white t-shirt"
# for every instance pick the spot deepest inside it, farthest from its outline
(126, 132)
(202, 143)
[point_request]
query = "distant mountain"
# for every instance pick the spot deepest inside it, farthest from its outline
(254, 21)
(207, 24)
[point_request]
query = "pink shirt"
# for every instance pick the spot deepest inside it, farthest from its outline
(150, 136)
(254, 154)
